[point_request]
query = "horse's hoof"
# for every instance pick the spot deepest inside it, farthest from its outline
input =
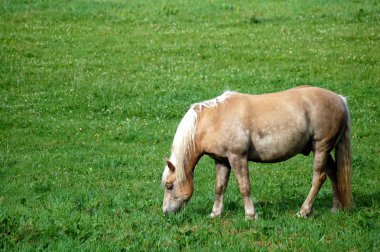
(334, 210)
(214, 215)
(251, 217)
(302, 215)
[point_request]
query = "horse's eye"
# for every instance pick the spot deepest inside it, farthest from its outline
(170, 187)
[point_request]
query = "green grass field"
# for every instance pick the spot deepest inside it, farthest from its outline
(92, 92)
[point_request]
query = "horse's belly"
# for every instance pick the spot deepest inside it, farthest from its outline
(268, 147)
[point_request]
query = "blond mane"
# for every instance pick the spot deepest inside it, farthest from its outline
(184, 137)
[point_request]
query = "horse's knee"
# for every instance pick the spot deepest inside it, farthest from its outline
(319, 177)
(220, 189)
(245, 190)
(322, 177)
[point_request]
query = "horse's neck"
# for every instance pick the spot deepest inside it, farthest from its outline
(185, 163)
(195, 152)
(192, 161)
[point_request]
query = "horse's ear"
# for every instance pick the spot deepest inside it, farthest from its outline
(170, 165)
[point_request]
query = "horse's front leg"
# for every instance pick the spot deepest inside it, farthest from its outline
(222, 176)
(240, 166)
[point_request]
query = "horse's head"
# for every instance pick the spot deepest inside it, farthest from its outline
(177, 193)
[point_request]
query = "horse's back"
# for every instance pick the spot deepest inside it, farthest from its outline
(305, 101)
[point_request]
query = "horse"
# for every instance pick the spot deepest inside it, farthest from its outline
(235, 128)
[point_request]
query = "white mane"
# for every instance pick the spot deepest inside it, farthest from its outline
(184, 137)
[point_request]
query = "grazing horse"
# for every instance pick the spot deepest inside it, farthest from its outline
(236, 128)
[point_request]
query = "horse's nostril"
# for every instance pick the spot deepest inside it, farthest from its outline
(165, 210)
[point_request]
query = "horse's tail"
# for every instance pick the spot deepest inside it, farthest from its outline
(343, 157)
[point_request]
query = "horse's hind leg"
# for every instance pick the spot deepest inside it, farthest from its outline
(331, 172)
(240, 166)
(222, 176)
(319, 177)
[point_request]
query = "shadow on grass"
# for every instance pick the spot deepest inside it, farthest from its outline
(270, 208)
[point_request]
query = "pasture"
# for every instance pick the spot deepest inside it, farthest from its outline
(91, 93)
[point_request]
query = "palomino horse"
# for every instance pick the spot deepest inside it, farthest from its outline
(236, 128)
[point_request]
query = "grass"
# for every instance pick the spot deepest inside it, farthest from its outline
(92, 92)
